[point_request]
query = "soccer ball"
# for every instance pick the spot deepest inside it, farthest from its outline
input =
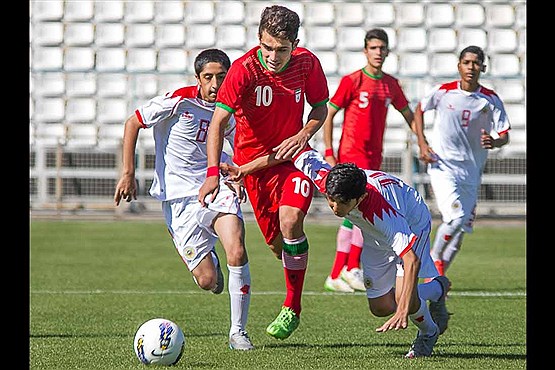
(159, 341)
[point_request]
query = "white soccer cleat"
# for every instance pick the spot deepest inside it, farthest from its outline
(337, 285)
(354, 278)
(240, 341)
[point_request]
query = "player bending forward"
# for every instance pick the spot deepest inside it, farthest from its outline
(395, 224)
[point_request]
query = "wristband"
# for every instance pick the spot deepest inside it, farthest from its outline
(328, 152)
(213, 171)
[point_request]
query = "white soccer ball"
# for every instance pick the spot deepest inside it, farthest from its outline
(159, 341)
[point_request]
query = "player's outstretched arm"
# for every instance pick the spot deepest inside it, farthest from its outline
(292, 146)
(309, 161)
(236, 174)
(408, 298)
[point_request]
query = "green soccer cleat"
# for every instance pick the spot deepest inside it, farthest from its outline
(284, 325)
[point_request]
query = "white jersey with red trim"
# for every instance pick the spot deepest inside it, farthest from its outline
(460, 117)
(180, 125)
(392, 214)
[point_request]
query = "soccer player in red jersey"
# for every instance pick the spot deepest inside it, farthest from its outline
(366, 95)
(265, 90)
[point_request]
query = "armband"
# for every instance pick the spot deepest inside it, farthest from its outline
(328, 152)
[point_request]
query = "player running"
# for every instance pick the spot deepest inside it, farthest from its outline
(179, 120)
(470, 120)
(265, 90)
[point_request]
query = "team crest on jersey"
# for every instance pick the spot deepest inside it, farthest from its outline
(189, 253)
(187, 115)
(298, 95)
(456, 204)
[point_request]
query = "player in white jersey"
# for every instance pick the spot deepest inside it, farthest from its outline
(470, 120)
(395, 223)
(180, 120)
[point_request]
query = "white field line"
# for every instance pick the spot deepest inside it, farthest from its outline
(306, 292)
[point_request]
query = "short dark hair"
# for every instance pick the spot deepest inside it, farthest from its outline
(279, 22)
(211, 56)
(345, 181)
(376, 33)
(474, 50)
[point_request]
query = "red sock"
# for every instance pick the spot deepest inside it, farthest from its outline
(338, 264)
(294, 280)
(439, 267)
(354, 257)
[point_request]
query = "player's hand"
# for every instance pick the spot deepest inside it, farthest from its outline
(486, 140)
(427, 154)
(210, 186)
(234, 173)
(238, 189)
(396, 322)
(126, 188)
(290, 147)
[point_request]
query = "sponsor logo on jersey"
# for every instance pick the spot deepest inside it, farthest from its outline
(187, 115)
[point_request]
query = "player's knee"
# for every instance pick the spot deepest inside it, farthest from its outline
(291, 222)
(206, 282)
(236, 255)
(381, 310)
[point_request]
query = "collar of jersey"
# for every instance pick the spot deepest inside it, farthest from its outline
(371, 75)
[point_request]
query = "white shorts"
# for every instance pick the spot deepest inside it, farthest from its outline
(381, 266)
(191, 225)
(454, 199)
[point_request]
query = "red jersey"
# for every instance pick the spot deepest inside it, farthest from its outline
(268, 106)
(366, 99)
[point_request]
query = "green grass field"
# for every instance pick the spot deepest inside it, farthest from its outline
(92, 284)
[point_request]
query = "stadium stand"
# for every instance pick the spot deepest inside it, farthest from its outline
(92, 62)
(169, 12)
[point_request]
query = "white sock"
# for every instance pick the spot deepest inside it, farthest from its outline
(423, 320)
(430, 291)
(239, 287)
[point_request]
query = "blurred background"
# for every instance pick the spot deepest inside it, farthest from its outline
(92, 63)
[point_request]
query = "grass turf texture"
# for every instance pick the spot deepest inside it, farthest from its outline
(92, 284)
